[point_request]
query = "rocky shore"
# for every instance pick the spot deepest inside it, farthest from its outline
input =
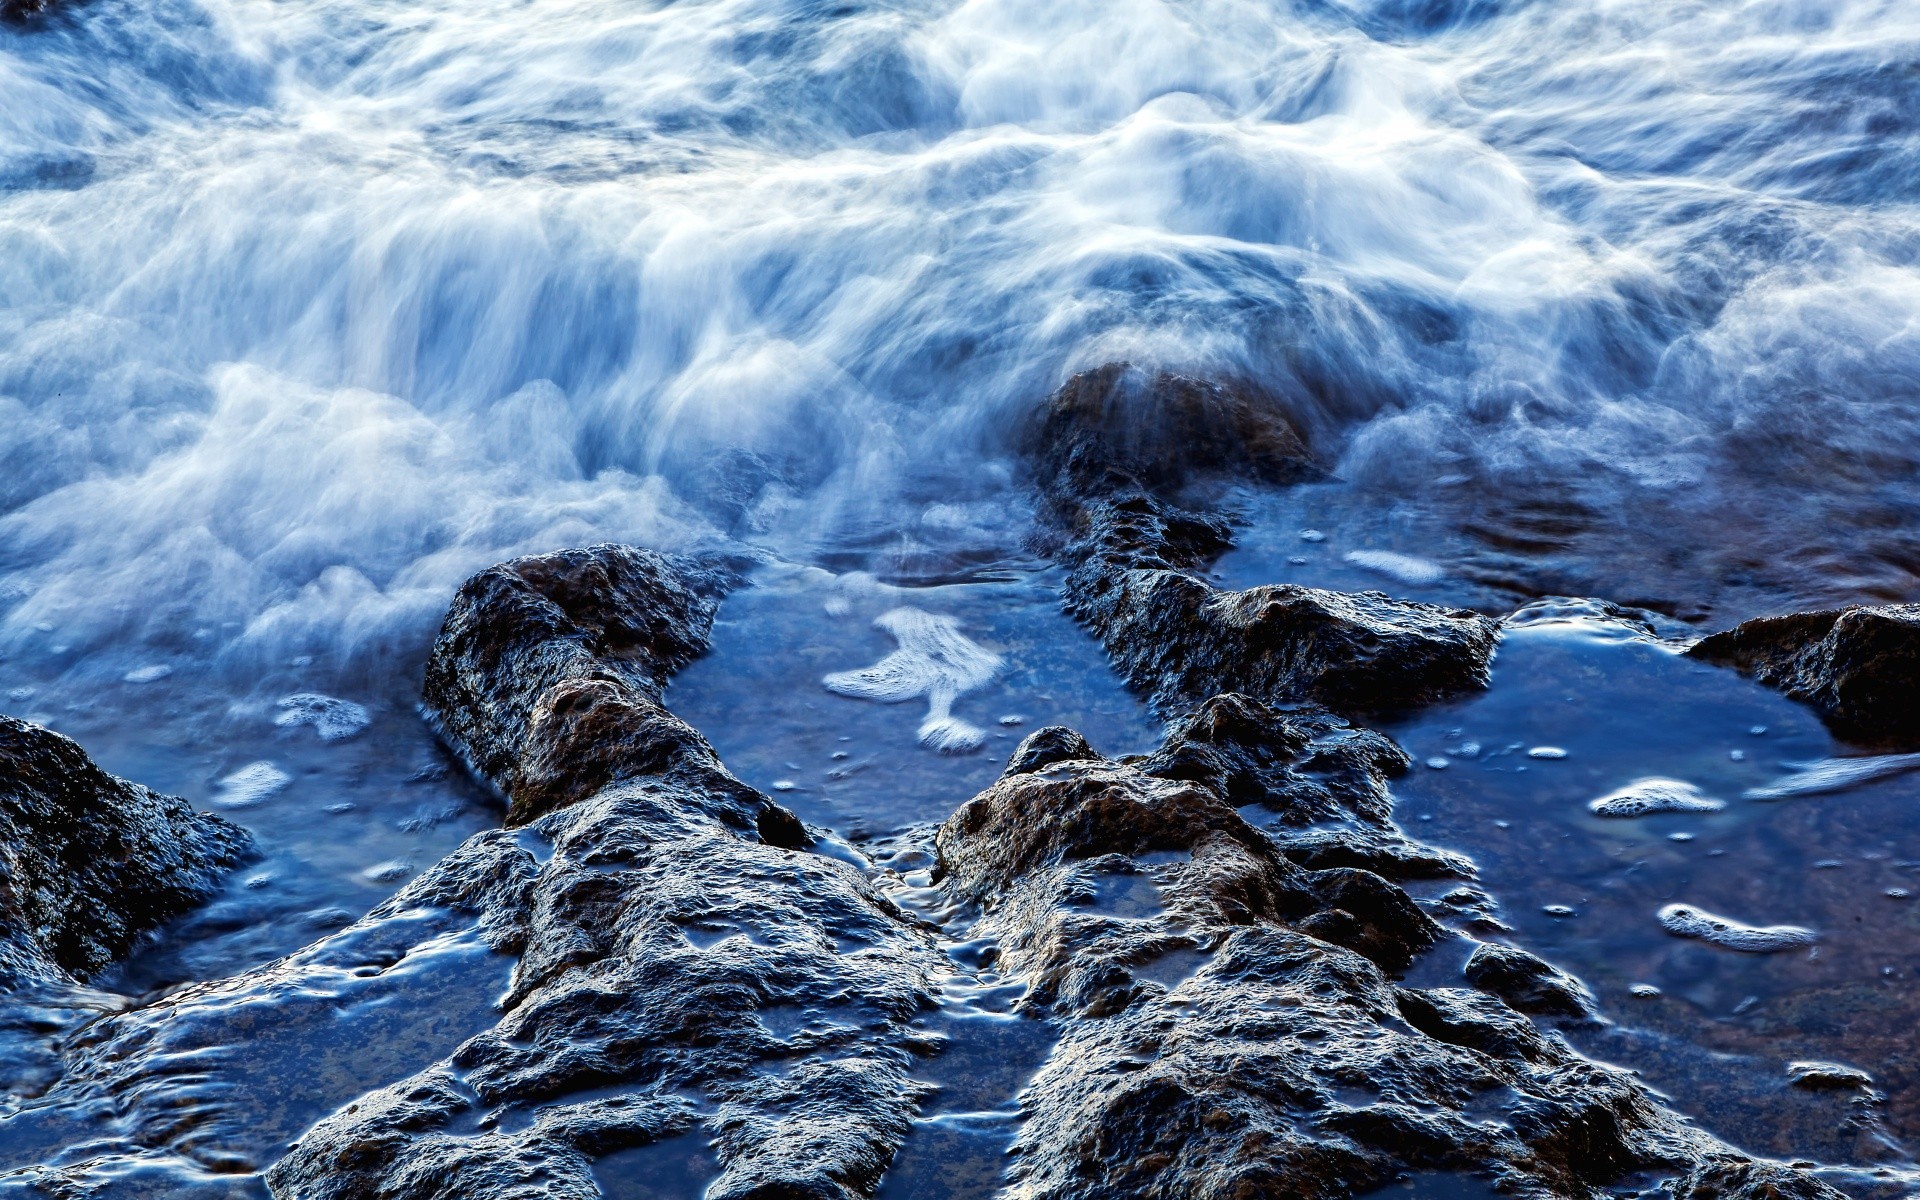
(1247, 999)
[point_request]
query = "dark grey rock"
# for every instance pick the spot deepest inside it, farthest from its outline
(1222, 1041)
(1233, 1038)
(1527, 983)
(1828, 1076)
(1750, 1181)
(682, 964)
(89, 862)
(1133, 550)
(1322, 783)
(1860, 667)
(1163, 429)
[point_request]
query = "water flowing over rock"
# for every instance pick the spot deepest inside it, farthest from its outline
(1240, 1035)
(683, 962)
(1860, 667)
(1134, 554)
(89, 862)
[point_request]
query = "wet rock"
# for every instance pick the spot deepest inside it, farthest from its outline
(1527, 983)
(1165, 430)
(1750, 1181)
(682, 964)
(1860, 667)
(89, 862)
(1278, 1060)
(548, 673)
(1827, 1076)
(1132, 553)
(20, 10)
(1320, 783)
(1179, 639)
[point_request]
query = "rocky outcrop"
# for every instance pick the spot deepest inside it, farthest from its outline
(683, 963)
(89, 862)
(1134, 553)
(1860, 667)
(1228, 1021)
(1163, 430)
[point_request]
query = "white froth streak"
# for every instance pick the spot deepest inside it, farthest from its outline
(1834, 775)
(934, 660)
(1684, 920)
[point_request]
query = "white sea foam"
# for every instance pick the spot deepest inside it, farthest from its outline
(330, 302)
(1684, 920)
(1404, 567)
(331, 718)
(1645, 797)
(250, 785)
(1834, 775)
(934, 660)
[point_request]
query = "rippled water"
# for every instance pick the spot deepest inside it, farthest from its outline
(309, 308)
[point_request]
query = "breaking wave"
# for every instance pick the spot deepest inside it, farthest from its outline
(309, 308)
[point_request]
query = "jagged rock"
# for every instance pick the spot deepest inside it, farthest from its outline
(1179, 639)
(89, 862)
(1216, 1040)
(1860, 667)
(1321, 782)
(683, 963)
(1132, 552)
(1750, 1181)
(1527, 983)
(1828, 1076)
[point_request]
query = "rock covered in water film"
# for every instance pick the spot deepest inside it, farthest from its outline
(1165, 430)
(1179, 639)
(683, 963)
(1227, 1022)
(1133, 553)
(1860, 667)
(89, 861)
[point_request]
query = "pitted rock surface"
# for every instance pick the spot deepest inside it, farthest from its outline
(89, 861)
(1860, 667)
(1133, 553)
(682, 964)
(1218, 1040)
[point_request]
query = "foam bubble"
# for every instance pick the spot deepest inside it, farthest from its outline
(1644, 797)
(934, 660)
(1684, 920)
(331, 718)
(250, 785)
(148, 674)
(1546, 752)
(1404, 567)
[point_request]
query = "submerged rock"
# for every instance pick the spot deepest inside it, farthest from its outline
(1241, 1036)
(1164, 429)
(89, 862)
(1860, 667)
(1133, 552)
(1527, 983)
(683, 962)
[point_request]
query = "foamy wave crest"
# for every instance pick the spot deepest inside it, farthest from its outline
(309, 308)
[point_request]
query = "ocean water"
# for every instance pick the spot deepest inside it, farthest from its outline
(310, 308)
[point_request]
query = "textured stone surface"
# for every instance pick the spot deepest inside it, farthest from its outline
(1133, 550)
(683, 964)
(1860, 667)
(88, 861)
(1228, 1025)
